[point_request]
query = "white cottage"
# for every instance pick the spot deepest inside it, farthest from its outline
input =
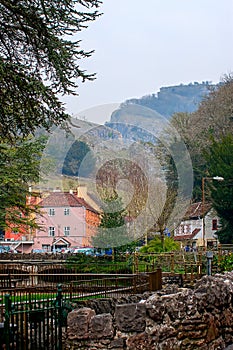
(190, 230)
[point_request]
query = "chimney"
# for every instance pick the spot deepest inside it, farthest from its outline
(57, 189)
(71, 191)
(82, 191)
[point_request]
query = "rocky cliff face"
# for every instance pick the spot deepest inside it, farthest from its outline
(172, 99)
(199, 318)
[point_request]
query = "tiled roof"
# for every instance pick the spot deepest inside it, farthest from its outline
(191, 236)
(33, 199)
(62, 199)
(86, 205)
(196, 210)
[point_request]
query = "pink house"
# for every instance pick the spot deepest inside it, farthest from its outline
(63, 222)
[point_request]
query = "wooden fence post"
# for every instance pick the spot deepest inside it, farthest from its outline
(135, 264)
(155, 280)
(172, 262)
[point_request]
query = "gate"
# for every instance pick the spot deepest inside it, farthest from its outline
(35, 324)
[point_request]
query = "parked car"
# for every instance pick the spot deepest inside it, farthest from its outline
(87, 251)
(39, 251)
(4, 249)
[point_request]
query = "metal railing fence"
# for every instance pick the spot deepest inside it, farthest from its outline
(35, 317)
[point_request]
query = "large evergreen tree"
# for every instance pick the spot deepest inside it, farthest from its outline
(79, 160)
(19, 166)
(112, 231)
(39, 59)
(220, 162)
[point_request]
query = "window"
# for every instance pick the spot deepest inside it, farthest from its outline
(214, 224)
(46, 247)
(51, 231)
(67, 211)
(51, 212)
(66, 230)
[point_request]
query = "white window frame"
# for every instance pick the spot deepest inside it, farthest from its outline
(51, 231)
(66, 230)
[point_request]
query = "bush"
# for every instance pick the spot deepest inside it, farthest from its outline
(226, 263)
(155, 245)
(82, 263)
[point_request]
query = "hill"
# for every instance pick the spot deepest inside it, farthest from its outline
(172, 99)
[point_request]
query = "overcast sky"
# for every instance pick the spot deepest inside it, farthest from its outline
(142, 45)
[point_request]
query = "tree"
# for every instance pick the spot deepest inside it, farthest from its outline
(214, 115)
(79, 160)
(38, 60)
(19, 166)
(175, 192)
(182, 122)
(212, 120)
(112, 231)
(220, 162)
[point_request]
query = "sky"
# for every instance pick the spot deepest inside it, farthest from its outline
(141, 46)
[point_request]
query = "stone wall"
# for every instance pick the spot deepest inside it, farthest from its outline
(175, 318)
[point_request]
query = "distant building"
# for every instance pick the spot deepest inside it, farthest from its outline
(64, 221)
(22, 234)
(190, 230)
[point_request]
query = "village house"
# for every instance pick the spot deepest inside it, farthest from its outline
(21, 234)
(65, 221)
(190, 230)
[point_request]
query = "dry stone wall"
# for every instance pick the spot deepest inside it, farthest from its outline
(174, 318)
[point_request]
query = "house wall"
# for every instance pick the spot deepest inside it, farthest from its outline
(20, 232)
(82, 193)
(75, 220)
(92, 222)
(187, 227)
(210, 233)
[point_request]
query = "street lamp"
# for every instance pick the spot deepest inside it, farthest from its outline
(216, 178)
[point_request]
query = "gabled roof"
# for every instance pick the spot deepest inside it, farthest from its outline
(64, 199)
(191, 236)
(86, 205)
(195, 210)
(65, 240)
